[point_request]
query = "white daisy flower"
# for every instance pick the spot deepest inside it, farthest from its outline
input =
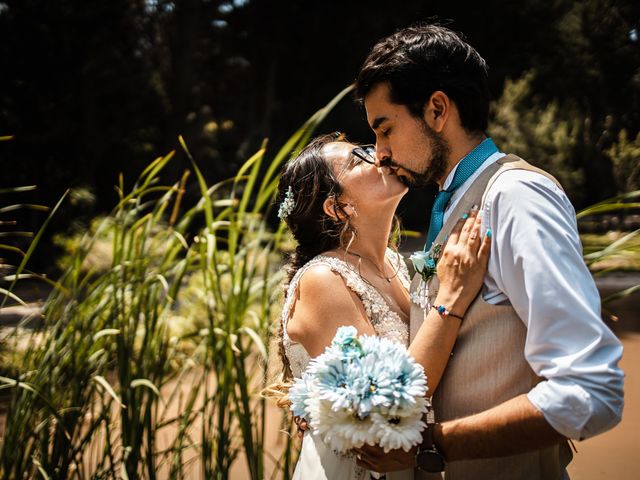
(397, 432)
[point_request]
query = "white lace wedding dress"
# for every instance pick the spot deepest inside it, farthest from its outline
(317, 461)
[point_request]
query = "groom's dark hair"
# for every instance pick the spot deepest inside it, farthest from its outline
(421, 59)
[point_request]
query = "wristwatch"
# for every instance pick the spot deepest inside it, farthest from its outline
(428, 458)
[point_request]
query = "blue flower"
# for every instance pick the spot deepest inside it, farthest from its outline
(400, 378)
(299, 393)
(376, 385)
(425, 263)
(419, 260)
(335, 374)
(346, 337)
(288, 205)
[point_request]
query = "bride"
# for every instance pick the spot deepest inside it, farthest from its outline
(340, 208)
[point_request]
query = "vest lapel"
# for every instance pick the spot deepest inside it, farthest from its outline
(471, 197)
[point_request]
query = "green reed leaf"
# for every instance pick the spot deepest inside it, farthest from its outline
(109, 389)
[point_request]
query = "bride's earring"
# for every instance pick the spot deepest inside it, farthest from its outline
(338, 211)
(350, 210)
(352, 231)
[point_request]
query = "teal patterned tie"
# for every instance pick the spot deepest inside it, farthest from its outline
(466, 167)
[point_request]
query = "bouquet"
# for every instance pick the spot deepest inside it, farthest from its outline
(362, 390)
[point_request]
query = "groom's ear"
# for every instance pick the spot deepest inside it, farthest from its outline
(437, 110)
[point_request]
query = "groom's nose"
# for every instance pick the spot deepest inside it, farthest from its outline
(382, 158)
(383, 161)
(383, 154)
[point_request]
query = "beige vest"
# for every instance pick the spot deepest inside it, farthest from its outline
(487, 366)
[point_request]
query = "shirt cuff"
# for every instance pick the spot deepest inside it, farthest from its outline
(567, 407)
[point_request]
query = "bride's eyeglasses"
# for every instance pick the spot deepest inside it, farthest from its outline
(365, 153)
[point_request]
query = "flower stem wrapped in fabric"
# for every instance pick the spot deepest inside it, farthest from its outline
(362, 390)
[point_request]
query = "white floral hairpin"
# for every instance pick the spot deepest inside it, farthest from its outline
(287, 205)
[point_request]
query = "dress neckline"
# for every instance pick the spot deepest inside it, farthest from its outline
(404, 281)
(386, 322)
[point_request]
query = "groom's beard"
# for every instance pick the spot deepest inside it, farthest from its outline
(437, 162)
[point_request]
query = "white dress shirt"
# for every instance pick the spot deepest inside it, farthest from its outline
(536, 265)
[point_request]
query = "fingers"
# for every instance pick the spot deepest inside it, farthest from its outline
(463, 227)
(485, 247)
(364, 461)
(368, 456)
(376, 460)
(301, 424)
(361, 457)
(468, 226)
(365, 464)
(475, 237)
(454, 235)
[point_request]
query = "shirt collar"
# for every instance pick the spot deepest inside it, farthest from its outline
(492, 158)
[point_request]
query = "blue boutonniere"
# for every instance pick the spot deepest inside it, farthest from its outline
(426, 264)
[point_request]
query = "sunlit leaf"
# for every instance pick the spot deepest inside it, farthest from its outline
(109, 389)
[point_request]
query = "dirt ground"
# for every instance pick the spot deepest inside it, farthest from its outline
(616, 454)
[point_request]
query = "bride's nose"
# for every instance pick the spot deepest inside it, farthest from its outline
(376, 156)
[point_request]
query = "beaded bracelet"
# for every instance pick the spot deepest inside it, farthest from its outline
(442, 310)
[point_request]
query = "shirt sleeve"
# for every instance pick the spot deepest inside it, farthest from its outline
(536, 261)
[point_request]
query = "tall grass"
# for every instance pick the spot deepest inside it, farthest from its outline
(12, 252)
(111, 390)
(627, 246)
(603, 256)
(152, 367)
(11, 273)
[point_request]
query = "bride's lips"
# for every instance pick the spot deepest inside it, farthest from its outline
(391, 171)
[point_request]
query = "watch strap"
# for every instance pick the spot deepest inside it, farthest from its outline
(428, 442)
(428, 458)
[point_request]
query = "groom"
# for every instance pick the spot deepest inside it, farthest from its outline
(533, 364)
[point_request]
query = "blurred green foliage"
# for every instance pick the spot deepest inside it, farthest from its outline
(543, 133)
(625, 155)
(91, 88)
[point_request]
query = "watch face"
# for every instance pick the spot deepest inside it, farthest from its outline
(430, 461)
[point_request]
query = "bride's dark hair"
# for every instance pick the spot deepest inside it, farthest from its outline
(312, 180)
